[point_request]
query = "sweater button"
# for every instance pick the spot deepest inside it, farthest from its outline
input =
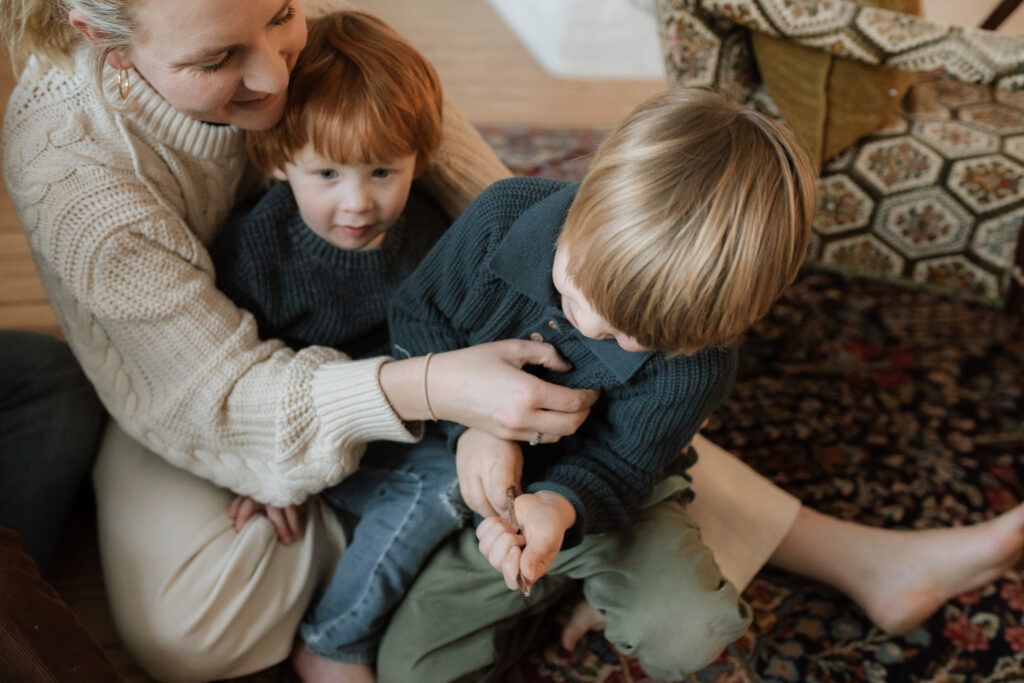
(536, 336)
(552, 324)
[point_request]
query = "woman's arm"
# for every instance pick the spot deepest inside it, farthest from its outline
(184, 371)
(114, 208)
(484, 387)
(117, 210)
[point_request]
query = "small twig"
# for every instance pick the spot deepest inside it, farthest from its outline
(510, 499)
(624, 663)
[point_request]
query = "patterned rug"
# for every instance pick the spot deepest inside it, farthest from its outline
(873, 403)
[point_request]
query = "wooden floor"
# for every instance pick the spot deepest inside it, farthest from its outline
(488, 75)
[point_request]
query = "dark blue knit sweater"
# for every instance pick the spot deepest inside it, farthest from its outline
(306, 291)
(489, 278)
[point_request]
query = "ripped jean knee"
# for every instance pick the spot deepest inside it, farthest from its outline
(407, 502)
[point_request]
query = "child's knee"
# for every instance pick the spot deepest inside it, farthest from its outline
(675, 643)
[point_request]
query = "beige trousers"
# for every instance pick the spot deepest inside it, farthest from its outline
(195, 601)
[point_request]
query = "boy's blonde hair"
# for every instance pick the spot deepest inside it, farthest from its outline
(359, 93)
(693, 217)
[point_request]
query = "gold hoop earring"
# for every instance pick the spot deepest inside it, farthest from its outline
(123, 84)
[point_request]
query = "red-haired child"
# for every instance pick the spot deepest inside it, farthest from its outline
(316, 260)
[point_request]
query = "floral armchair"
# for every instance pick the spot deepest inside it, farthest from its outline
(932, 198)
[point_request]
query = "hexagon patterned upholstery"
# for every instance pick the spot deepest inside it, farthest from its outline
(935, 199)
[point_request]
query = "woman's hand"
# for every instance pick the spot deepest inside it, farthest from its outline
(288, 521)
(487, 467)
(484, 387)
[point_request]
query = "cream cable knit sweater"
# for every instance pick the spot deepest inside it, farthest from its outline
(118, 210)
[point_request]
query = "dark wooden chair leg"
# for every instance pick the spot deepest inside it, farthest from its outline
(1000, 14)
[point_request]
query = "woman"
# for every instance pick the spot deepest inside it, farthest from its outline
(121, 191)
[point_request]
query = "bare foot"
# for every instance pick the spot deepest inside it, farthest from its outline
(313, 668)
(583, 618)
(916, 572)
(899, 578)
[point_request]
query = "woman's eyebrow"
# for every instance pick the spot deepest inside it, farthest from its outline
(214, 52)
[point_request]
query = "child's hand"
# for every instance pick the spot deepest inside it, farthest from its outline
(288, 521)
(486, 467)
(544, 517)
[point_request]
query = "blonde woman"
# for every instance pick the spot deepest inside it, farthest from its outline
(123, 153)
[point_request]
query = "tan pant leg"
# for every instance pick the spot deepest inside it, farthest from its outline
(192, 599)
(742, 515)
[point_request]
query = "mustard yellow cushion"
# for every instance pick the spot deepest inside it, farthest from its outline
(829, 102)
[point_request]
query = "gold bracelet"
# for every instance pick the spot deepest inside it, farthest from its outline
(426, 396)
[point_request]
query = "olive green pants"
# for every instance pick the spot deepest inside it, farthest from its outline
(656, 582)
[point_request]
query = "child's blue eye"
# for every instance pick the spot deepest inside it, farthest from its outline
(328, 173)
(381, 173)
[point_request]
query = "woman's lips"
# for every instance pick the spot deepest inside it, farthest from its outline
(257, 104)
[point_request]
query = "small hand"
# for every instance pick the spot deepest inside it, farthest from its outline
(486, 467)
(288, 521)
(544, 518)
(502, 546)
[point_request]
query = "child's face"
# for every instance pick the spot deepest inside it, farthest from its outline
(349, 205)
(578, 311)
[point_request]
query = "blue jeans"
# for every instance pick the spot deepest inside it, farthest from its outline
(407, 499)
(50, 422)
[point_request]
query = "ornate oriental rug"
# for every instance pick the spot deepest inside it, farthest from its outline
(869, 402)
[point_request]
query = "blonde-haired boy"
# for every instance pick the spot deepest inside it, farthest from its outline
(692, 218)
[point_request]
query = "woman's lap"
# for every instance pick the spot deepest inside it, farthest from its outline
(193, 599)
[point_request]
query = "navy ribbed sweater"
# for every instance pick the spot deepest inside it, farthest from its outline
(489, 278)
(305, 290)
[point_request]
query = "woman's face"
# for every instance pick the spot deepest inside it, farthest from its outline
(221, 61)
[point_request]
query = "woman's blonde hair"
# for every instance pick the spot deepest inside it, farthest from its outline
(41, 28)
(693, 217)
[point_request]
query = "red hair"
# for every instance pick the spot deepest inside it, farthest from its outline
(359, 93)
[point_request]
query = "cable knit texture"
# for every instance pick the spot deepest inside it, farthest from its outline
(119, 209)
(489, 278)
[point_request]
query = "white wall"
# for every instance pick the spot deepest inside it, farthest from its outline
(971, 13)
(587, 38)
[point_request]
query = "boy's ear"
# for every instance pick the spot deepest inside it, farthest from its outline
(115, 59)
(279, 174)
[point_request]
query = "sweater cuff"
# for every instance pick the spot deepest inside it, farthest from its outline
(349, 402)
